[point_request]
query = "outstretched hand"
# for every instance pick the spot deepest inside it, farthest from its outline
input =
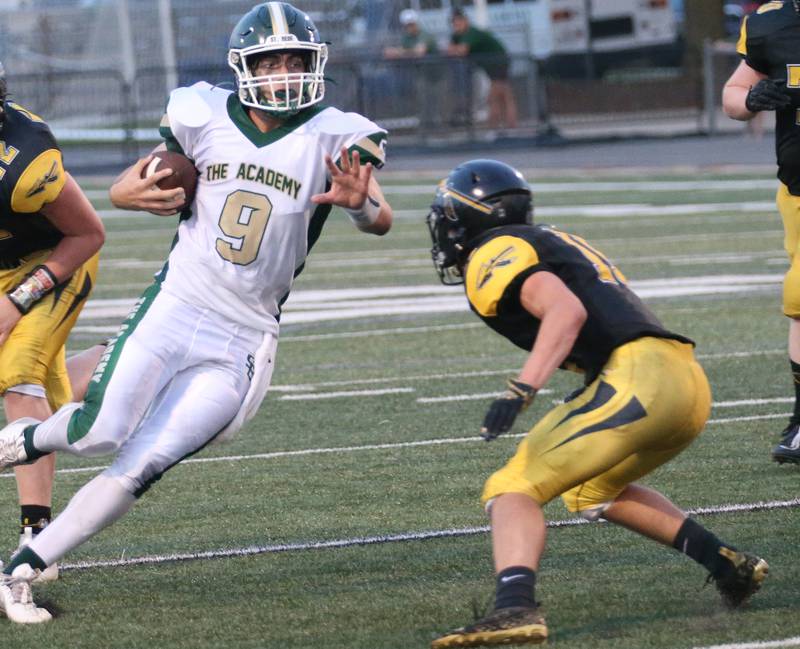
(349, 185)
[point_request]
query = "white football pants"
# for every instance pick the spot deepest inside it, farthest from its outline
(171, 380)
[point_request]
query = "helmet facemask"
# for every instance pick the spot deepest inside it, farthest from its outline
(280, 95)
(448, 242)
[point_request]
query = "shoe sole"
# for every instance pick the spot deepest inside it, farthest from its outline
(785, 459)
(529, 634)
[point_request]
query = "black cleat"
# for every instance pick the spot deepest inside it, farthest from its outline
(788, 450)
(743, 580)
(504, 626)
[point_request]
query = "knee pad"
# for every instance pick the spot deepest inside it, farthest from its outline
(594, 514)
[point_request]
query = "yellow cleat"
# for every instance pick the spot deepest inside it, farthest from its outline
(504, 626)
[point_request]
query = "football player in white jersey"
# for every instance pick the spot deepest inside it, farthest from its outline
(193, 360)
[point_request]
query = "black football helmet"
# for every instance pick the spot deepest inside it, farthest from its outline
(273, 27)
(477, 196)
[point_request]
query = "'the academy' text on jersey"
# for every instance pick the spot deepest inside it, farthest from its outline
(252, 206)
(31, 175)
(502, 261)
(769, 42)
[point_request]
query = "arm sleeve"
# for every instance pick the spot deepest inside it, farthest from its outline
(750, 46)
(187, 112)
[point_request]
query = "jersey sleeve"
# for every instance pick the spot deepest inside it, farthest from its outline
(355, 133)
(493, 269)
(751, 45)
(43, 177)
(187, 112)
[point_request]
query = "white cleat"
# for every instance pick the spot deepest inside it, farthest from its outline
(16, 599)
(12, 442)
(48, 574)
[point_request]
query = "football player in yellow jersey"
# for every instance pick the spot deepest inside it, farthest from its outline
(768, 79)
(49, 241)
(645, 397)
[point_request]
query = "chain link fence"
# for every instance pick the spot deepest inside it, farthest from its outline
(100, 71)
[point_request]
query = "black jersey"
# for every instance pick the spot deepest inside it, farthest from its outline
(31, 175)
(769, 42)
(507, 256)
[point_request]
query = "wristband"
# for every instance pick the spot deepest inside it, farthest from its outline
(519, 390)
(367, 214)
(37, 284)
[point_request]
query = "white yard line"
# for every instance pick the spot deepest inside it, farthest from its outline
(368, 447)
(348, 393)
(758, 644)
(569, 187)
(403, 537)
(356, 303)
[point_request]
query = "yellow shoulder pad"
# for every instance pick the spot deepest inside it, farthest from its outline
(770, 6)
(492, 267)
(741, 44)
(40, 183)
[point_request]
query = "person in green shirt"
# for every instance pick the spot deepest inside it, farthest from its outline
(487, 52)
(415, 42)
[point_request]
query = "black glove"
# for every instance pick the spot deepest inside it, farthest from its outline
(767, 95)
(504, 410)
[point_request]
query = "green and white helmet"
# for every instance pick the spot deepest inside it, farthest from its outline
(273, 27)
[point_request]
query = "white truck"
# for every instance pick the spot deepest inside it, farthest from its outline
(565, 31)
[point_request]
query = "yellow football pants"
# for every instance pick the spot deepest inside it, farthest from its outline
(648, 404)
(34, 352)
(789, 208)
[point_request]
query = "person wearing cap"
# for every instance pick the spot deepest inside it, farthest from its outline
(414, 42)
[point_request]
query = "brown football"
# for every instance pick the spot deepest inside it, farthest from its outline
(184, 173)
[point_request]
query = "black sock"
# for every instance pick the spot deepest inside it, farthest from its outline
(34, 516)
(515, 588)
(796, 377)
(697, 542)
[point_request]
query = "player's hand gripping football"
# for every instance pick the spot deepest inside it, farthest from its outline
(349, 184)
(504, 410)
(767, 95)
(132, 192)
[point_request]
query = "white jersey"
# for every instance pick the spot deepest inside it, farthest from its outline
(252, 222)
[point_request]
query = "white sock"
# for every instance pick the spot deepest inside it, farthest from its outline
(51, 434)
(100, 502)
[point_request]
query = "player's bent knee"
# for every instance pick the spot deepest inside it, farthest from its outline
(125, 482)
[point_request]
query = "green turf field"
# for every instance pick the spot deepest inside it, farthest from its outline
(346, 515)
